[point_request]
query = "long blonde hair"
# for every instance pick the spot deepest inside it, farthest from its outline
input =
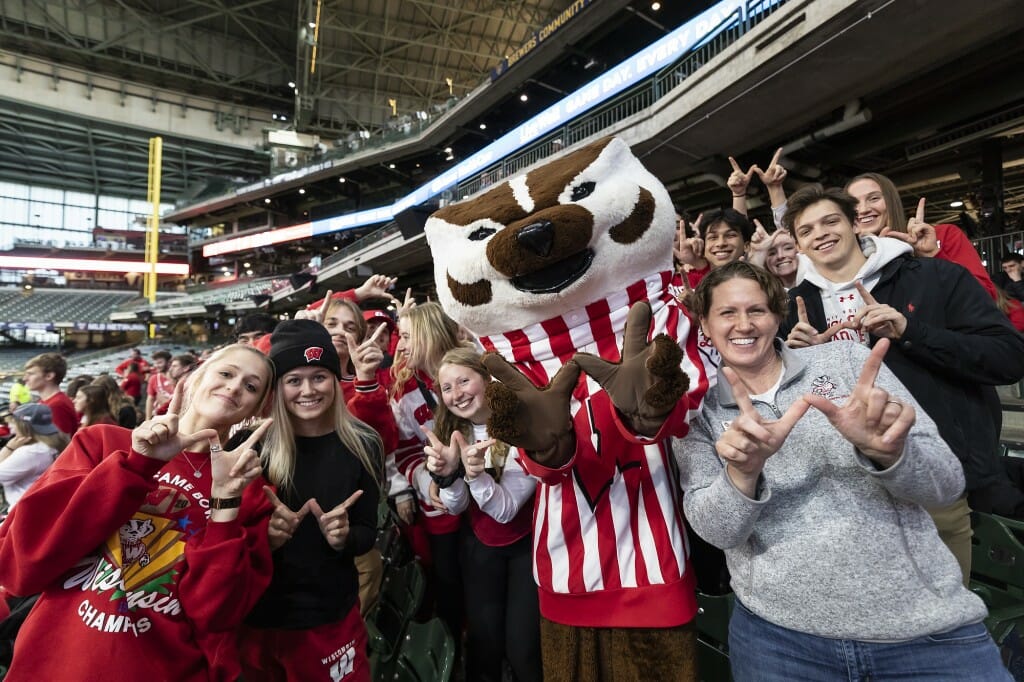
(55, 441)
(446, 423)
(279, 445)
(196, 377)
(433, 334)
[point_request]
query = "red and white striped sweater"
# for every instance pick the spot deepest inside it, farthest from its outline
(610, 548)
(412, 412)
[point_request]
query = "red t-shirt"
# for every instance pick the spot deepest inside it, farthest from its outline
(160, 388)
(132, 386)
(64, 416)
(123, 367)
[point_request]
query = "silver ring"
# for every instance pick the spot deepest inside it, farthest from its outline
(215, 448)
(894, 402)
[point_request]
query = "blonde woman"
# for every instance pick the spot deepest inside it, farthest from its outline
(425, 334)
(36, 443)
(483, 479)
(148, 546)
(327, 467)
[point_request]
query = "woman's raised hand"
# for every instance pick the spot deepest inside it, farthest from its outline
(872, 420)
(738, 180)
(760, 242)
(442, 460)
(283, 522)
(159, 437)
(318, 315)
(376, 286)
(334, 524)
(920, 234)
(366, 356)
(408, 304)
(233, 470)
(751, 439)
(775, 174)
(473, 455)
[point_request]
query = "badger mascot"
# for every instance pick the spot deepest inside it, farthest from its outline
(563, 275)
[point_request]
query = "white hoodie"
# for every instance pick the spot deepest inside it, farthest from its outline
(841, 300)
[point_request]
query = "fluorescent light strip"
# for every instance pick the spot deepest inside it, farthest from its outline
(85, 265)
(253, 241)
(626, 74)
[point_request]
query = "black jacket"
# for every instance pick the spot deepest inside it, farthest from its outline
(957, 347)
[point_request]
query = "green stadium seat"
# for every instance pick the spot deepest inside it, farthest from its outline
(997, 556)
(401, 594)
(713, 613)
(427, 654)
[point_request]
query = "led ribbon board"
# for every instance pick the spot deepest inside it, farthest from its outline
(631, 71)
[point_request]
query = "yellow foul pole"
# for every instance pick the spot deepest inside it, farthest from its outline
(156, 146)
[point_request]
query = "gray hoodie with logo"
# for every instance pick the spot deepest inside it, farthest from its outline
(832, 546)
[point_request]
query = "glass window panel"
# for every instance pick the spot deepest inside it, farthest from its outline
(78, 218)
(80, 199)
(113, 220)
(14, 210)
(46, 215)
(14, 189)
(113, 203)
(47, 194)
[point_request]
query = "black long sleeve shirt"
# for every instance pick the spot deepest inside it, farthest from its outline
(314, 584)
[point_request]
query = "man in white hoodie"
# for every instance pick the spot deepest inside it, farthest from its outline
(950, 345)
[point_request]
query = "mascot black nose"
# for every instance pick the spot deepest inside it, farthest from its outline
(537, 237)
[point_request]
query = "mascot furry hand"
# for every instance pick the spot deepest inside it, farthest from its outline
(545, 268)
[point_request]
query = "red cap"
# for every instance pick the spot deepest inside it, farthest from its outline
(263, 344)
(369, 315)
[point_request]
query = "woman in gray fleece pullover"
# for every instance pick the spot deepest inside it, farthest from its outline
(837, 568)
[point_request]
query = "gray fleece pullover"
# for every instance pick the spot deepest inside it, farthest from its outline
(832, 546)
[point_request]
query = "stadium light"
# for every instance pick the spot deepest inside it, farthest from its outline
(88, 265)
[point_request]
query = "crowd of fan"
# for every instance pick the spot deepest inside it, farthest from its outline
(270, 581)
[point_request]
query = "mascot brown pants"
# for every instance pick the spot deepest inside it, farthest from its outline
(575, 654)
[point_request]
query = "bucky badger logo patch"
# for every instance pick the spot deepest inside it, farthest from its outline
(557, 238)
(313, 353)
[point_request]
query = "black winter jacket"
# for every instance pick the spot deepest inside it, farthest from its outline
(957, 347)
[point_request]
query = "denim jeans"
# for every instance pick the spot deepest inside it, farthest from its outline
(760, 651)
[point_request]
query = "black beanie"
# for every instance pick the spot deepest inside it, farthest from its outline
(300, 343)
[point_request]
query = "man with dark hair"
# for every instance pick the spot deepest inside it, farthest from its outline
(723, 237)
(181, 365)
(160, 386)
(1013, 275)
(43, 375)
(252, 328)
(950, 345)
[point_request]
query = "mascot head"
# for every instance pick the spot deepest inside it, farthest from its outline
(564, 235)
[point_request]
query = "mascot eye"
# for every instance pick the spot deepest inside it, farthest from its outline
(481, 233)
(582, 191)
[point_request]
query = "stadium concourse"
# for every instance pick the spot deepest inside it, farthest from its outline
(303, 145)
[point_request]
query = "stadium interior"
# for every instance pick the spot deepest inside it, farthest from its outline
(304, 143)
